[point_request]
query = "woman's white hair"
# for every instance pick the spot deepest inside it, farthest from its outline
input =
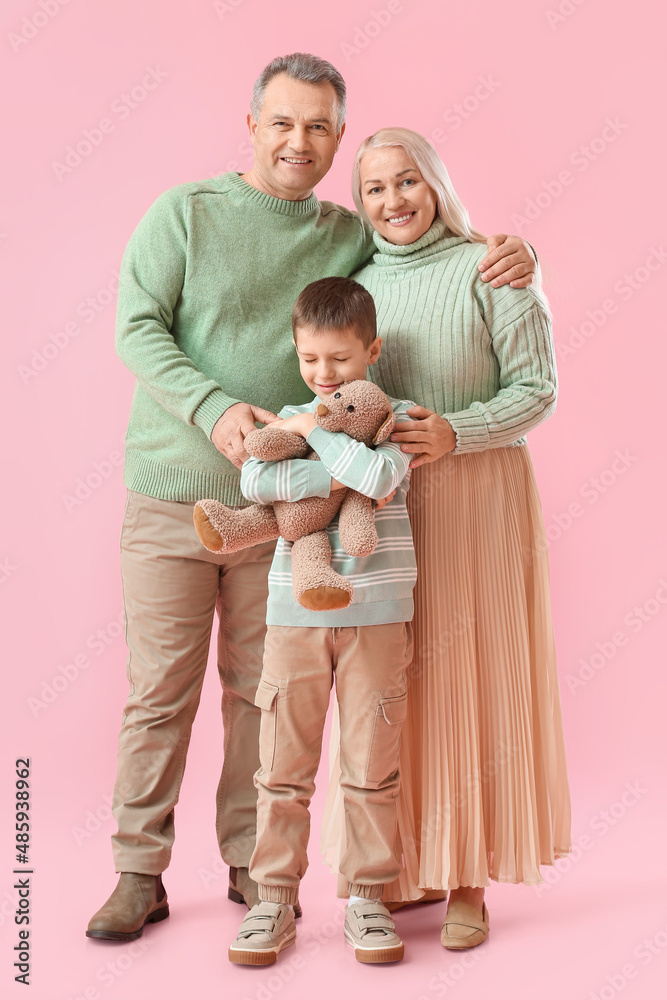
(451, 209)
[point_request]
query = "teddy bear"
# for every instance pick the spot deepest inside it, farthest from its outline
(362, 411)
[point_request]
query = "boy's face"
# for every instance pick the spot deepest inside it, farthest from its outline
(329, 357)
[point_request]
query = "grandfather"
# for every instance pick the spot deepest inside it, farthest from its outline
(207, 286)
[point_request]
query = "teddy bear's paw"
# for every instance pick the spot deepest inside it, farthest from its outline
(325, 599)
(225, 529)
(360, 547)
(208, 536)
(273, 444)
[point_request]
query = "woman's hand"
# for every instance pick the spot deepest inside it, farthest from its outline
(428, 435)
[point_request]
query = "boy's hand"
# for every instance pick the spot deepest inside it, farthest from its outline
(301, 424)
(379, 504)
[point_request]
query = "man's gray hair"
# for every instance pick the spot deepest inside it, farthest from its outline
(300, 66)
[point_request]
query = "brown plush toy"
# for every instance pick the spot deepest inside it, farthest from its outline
(362, 411)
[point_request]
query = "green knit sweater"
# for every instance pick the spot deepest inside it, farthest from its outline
(481, 357)
(207, 286)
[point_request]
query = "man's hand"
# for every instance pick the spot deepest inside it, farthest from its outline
(230, 430)
(428, 435)
(509, 260)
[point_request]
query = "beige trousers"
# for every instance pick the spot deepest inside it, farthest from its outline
(172, 585)
(369, 665)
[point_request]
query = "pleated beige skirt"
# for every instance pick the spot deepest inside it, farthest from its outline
(484, 791)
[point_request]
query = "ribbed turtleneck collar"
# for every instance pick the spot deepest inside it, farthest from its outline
(279, 205)
(435, 240)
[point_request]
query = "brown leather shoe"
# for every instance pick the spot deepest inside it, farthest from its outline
(242, 889)
(136, 901)
(464, 926)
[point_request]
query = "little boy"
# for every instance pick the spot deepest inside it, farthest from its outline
(366, 646)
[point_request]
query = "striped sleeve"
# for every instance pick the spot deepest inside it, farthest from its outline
(528, 384)
(292, 479)
(375, 472)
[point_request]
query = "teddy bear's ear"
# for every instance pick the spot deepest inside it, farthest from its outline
(385, 429)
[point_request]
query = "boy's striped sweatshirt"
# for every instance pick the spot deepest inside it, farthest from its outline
(383, 581)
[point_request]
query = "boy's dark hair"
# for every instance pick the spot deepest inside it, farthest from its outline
(336, 303)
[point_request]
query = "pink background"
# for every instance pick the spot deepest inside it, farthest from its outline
(552, 82)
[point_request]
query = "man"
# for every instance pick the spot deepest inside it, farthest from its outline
(212, 270)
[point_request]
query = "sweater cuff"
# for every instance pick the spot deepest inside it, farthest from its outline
(472, 432)
(211, 409)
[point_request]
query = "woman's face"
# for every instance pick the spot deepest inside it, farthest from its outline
(399, 202)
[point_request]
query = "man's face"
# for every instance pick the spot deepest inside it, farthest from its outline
(295, 139)
(328, 358)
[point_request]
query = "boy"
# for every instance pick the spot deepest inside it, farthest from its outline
(366, 646)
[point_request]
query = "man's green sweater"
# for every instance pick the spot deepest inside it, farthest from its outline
(207, 286)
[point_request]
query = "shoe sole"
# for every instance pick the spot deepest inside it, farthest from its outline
(152, 918)
(375, 956)
(461, 944)
(266, 956)
(238, 897)
(451, 943)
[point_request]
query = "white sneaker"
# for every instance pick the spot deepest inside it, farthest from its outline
(371, 932)
(265, 930)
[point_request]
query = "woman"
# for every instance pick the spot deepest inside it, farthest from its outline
(484, 784)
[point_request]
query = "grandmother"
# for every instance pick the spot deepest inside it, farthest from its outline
(484, 783)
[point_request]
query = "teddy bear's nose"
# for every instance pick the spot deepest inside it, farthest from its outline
(322, 410)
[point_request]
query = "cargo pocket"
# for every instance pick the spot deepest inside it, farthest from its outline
(385, 739)
(265, 698)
